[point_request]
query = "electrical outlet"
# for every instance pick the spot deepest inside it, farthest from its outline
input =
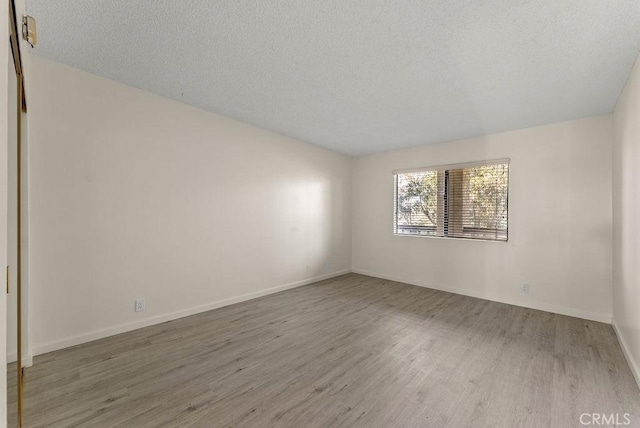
(326, 265)
(307, 268)
(139, 305)
(524, 288)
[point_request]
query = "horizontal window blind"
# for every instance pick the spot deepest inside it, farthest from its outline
(454, 201)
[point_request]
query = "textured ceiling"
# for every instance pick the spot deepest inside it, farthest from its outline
(358, 76)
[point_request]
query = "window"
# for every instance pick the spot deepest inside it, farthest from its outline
(453, 201)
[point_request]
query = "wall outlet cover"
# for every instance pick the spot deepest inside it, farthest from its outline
(139, 307)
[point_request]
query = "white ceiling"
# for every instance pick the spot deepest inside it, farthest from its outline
(358, 76)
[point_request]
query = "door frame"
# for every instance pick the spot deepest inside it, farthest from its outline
(21, 107)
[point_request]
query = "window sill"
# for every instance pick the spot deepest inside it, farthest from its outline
(446, 238)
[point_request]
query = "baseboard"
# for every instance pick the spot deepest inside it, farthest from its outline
(123, 328)
(67, 342)
(556, 309)
(12, 357)
(633, 365)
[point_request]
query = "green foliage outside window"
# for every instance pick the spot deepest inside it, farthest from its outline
(417, 198)
(486, 202)
(476, 199)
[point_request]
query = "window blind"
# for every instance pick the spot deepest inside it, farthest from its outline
(454, 201)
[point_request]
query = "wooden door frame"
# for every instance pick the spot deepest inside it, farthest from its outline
(21, 106)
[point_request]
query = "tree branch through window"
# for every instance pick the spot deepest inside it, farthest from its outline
(476, 201)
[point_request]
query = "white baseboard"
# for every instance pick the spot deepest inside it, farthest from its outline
(39, 349)
(541, 306)
(633, 365)
(43, 348)
(12, 357)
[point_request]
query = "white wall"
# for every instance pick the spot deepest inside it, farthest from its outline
(626, 219)
(136, 196)
(559, 221)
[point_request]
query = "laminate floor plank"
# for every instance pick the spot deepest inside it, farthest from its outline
(348, 351)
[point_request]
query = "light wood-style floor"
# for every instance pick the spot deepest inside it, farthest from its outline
(349, 351)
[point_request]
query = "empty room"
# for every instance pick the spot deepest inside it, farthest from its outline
(374, 213)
